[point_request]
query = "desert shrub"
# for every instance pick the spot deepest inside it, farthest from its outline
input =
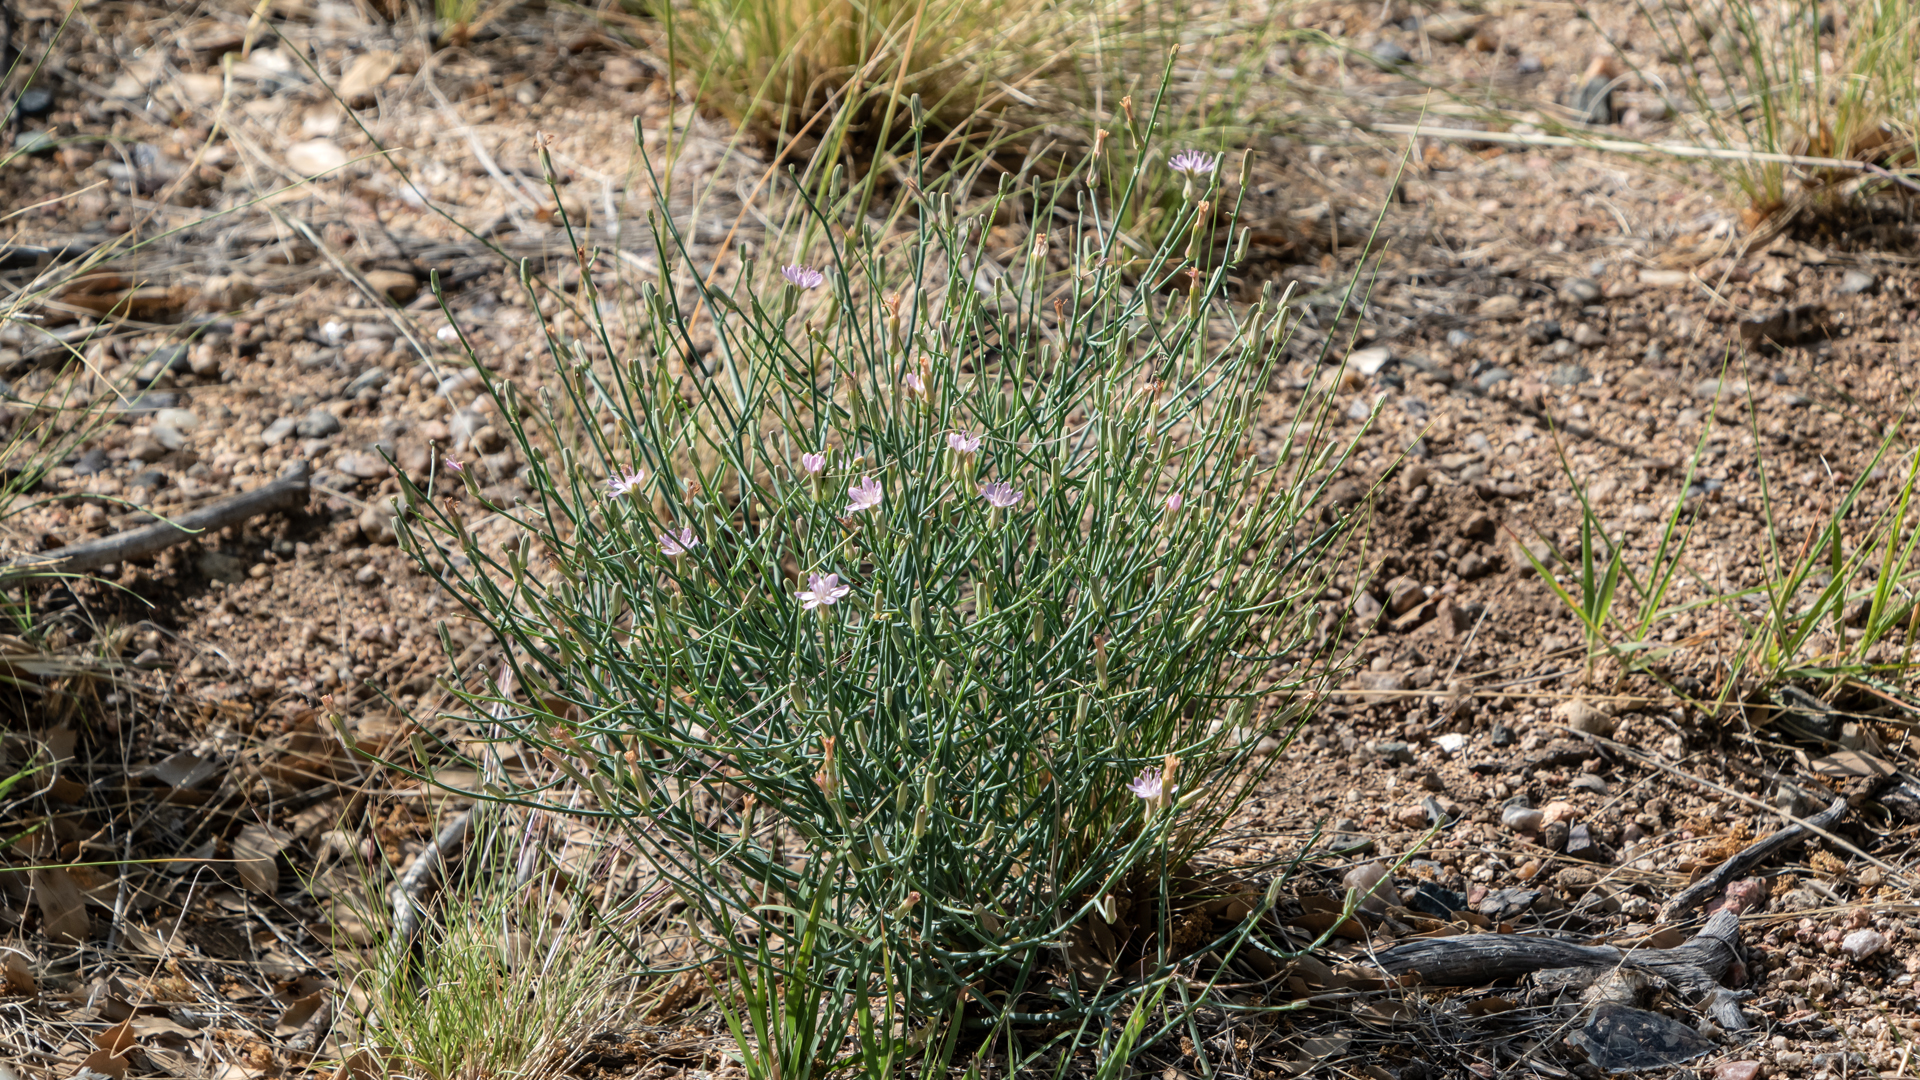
(917, 623)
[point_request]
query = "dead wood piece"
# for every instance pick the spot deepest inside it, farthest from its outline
(409, 893)
(1695, 967)
(286, 493)
(1750, 856)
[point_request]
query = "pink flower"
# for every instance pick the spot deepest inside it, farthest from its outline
(823, 589)
(676, 544)
(1193, 163)
(1147, 785)
(454, 466)
(802, 277)
(813, 463)
(915, 385)
(864, 495)
(1174, 502)
(621, 485)
(962, 443)
(1000, 495)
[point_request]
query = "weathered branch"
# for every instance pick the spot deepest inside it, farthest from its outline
(410, 892)
(1750, 856)
(286, 493)
(1696, 967)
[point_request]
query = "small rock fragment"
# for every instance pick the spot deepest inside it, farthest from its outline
(1582, 845)
(1397, 753)
(1372, 883)
(1863, 943)
(317, 424)
(278, 431)
(1583, 717)
(1580, 290)
(397, 285)
(1855, 282)
(315, 156)
(1388, 54)
(1553, 836)
(1451, 27)
(1521, 818)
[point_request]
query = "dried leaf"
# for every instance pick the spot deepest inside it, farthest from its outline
(1319, 921)
(366, 73)
(1384, 1012)
(18, 976)
(106, 1064)
(297, 1014)
(117, 1039)
(1851, 763)
(186, 769)
(253, 857)
(63, 908)
(360, 1065)
(164, 1028)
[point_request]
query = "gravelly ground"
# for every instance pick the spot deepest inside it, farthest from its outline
(1538, 317)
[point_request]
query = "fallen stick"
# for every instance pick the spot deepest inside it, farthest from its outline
(1747, 857)
(410, 892)
(286, 493)
(1695, 967)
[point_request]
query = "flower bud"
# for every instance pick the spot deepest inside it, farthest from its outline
(917, 614)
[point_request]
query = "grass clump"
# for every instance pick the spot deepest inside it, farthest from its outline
(1802, 80)
(824, 68)
(910, 623)
(1834, 602)
(511, 972)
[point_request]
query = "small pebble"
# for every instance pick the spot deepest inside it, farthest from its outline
(1370, 880)
(1390, 54)
(1861, 944)
(1560, 810)
(1855, 282)
(1584, 718)
(1522, 818)
(1492, 377)
(1397, 753)
(1580, 290)
(317, 424)
(1553, 836)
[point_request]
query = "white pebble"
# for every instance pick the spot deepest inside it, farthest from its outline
(1863, 943)
(1372, 883)
(1522, 818)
